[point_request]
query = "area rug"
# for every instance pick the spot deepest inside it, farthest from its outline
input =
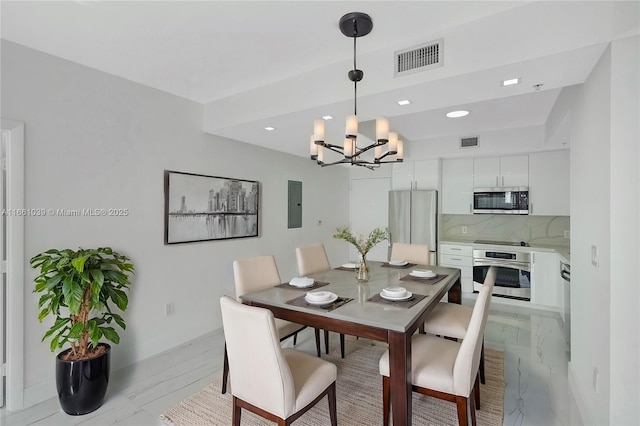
(359, 397)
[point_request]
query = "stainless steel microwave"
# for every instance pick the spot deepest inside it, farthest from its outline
(513, 200)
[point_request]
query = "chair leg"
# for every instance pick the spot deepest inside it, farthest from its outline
(473, 412)
(461, 403)
(295, 339)
(237, 412)
(482, 364)
(342, 345)
(326, 342)
(476, 392)
(318, 351)
(386, 402)
(333, 411)
(225, 370)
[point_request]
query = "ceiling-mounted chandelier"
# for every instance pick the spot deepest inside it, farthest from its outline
(387, 145)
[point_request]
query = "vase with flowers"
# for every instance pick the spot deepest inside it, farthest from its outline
(363, 245)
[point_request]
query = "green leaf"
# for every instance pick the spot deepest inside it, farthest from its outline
(110, 334)
(44, 298)
(43, 314)
(76, 331)
(79, 262)
(98, 279)
(118, 319)
(94, 332)
(60, 323)
(121, 299)
(54, 343)
(53, 281)
(72, 293)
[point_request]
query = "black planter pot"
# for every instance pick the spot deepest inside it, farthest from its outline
(82, 385)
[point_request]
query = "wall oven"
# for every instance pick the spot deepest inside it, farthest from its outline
(513, 279)
(513, 200)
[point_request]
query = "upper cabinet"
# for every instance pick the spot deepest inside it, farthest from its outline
(508, 171)
(421, 174)
(457, 186)
(549, 183)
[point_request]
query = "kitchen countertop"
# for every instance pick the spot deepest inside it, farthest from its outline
(563, 251)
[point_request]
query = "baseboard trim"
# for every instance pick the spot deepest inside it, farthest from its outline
(39, 393)
(583, 409)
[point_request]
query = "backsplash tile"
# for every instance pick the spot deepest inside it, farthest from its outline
(535, 230)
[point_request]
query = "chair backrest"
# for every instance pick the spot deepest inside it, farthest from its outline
(414, 253)
(312, 259)
(467, 361)
(255, 273)
(264, 380)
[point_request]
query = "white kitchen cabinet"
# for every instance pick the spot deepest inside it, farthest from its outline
(457, 186)
(421, 174)
(546, 283)
(549, 183)
(508, 171)
(460, 257)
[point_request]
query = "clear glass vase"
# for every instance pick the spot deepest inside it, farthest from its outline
(362, 269)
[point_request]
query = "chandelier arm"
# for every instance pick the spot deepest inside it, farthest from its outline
(334, 148)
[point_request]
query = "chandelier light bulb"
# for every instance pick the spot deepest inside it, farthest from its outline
(313, 148)
(393, 142)
(382, 129)
(348, 147)
(400, 153)
(318, 130)
(352, 126)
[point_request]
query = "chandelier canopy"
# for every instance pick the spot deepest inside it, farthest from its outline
(387, 147)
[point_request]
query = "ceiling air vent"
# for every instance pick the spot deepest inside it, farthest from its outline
(420, 58)
(470, 142)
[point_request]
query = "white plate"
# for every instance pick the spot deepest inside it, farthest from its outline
(349, 266)
(422, 273)
(405, 297)
(394, 291)
(302, 282)
(328, 301)
(398, 262)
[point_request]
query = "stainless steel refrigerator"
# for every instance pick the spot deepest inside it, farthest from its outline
(413, 218)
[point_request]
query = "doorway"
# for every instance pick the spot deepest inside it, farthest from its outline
(12, 265)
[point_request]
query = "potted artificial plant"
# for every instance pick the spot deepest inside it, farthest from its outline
(79, 289)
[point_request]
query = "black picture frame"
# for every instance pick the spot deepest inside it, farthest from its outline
(205, 208)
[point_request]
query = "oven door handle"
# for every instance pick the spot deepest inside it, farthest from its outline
(502, 264)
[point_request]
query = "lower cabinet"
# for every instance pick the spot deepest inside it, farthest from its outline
(546, 283)
(460, 257)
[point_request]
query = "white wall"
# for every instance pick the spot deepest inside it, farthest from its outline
(93, 140)
(625, 232)
(517, 140)
(605, 213)
(590, 218)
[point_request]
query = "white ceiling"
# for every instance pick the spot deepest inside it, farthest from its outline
(284, 63)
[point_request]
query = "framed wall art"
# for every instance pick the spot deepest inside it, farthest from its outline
(203, 208)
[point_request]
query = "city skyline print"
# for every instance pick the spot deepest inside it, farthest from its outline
(203, 208)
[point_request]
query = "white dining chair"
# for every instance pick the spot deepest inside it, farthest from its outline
(445, 369)
(413, 253)
(313, 259)
(275, 383)
(452, 319)
(254, 274)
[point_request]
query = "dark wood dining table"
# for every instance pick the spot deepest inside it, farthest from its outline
(393, 322)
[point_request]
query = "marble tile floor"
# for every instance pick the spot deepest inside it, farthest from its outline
(536, 386)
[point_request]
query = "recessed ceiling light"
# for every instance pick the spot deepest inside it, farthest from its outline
(457, 114)
(269, 128)
(327, 117)
(511, 81)
(404, 102)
